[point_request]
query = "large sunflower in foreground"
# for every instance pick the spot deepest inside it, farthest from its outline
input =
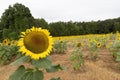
(36, 43)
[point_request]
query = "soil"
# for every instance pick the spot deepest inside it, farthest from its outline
(104, 68)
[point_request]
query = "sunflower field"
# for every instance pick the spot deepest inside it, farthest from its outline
(39, 56)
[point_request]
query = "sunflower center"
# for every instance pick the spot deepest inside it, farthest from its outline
(98, 44)
(36, 42)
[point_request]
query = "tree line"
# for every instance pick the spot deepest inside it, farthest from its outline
(17, 18)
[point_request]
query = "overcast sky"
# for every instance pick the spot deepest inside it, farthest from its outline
(66, 10)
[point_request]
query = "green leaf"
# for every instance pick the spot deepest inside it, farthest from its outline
(20, 60)
(73, 57)
(2, 53)
(118, 53)
(117, 58)
(1, 48)
(56, 78)
(27, 76)
(54, 68)
(76, 65)
(30, 75)
(38, 75)
(82, 61)
(18, 73)
(42, 63)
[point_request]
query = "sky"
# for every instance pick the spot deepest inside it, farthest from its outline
(68, 10)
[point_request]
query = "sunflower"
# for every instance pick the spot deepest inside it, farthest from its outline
(6, 41)
(14, 42)
(9, 43)
(98, 45)
(36, 43)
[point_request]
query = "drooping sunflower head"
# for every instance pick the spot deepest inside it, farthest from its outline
(36, 43)
(79, 45)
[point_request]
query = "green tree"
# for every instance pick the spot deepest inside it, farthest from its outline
(41, 23)
(117, 26)
(72, 29)
(16, 19)
(57, 29)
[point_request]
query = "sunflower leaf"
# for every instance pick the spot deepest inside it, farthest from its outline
(27, 76)
(18, 73)
(20, 60)
(55, 68)
(38, 75)
(42, 63)
(117, 58)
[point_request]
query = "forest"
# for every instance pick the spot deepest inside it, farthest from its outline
(18, 18)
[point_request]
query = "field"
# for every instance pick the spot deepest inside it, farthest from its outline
(103, 66)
